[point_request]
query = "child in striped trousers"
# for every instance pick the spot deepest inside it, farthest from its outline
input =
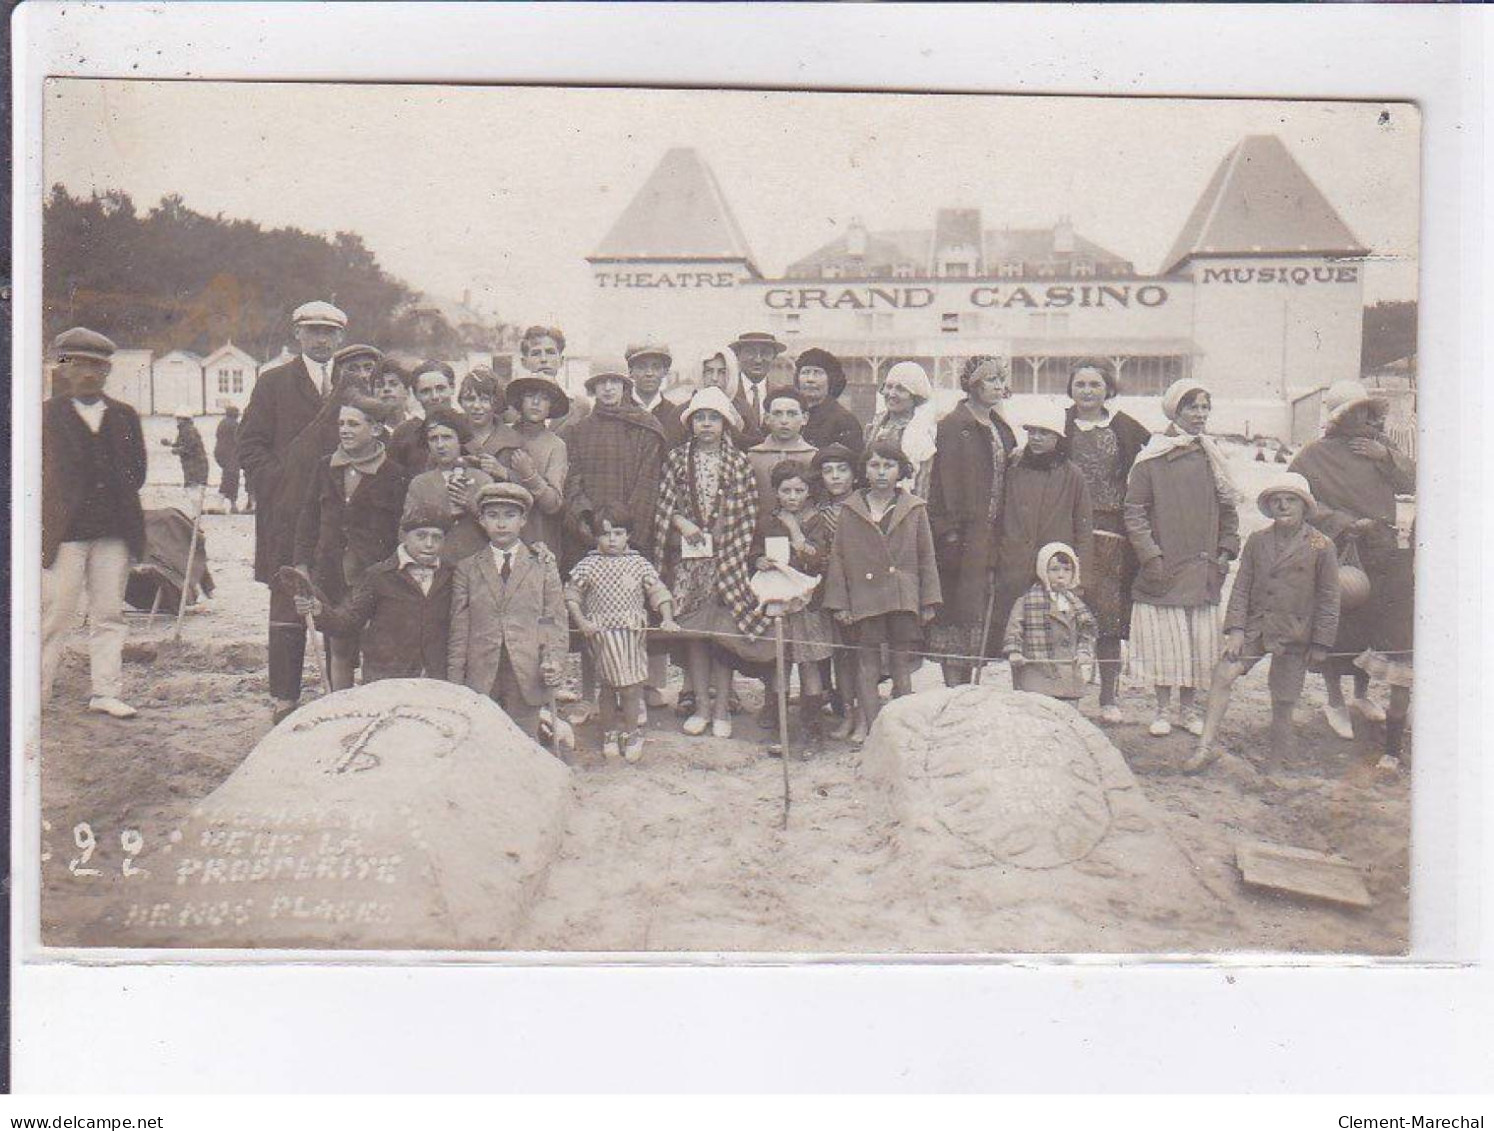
(608, 595)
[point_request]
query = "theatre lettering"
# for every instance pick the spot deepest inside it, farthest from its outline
(985, 297)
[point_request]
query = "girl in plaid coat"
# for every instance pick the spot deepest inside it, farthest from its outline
(703, 530)
(1050, 634)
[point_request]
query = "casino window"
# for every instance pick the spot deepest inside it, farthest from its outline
(791, 322)
(831, 271)
(957, 270)
(1084, 268)
(903, 271)
(950, 323)
(1011, 269)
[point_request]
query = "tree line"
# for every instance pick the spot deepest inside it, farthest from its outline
(174, 278)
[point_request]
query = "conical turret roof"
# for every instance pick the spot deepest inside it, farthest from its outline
(1260, 201)
(680, 213)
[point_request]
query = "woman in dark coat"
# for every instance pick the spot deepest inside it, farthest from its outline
(1355, 473)
(226, 455)
(1047, 500)
(351, 518)
(820, 379)
(1103, 444)
(966, 494)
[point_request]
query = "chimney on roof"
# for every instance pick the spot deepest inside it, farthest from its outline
(856, 237)
(467, 297)
(1063, 236)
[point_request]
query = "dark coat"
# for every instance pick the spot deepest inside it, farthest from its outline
(406, 446)
(871, 573)
(284, 401)
(1173, 511)
(959, 505)
(404, 632)
(341, 537)
(753, 431)
(668, 415)
(1288, 601)
(70, 479)
(188, 448)
(1041, 506)
(831, 422)
(226, 445)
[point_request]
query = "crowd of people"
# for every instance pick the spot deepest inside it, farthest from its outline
(507, 524)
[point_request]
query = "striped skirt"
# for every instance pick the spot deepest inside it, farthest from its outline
(1172, 646)
(621, 656)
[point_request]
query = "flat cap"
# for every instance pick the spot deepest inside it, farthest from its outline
(359, 349)
(647, 349)
(81, 342)
(319, 314)
(511, 493)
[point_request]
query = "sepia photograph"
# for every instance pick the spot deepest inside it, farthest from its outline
(600, 521)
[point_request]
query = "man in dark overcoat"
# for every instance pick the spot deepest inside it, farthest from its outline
(93, 466)
(226, 455)
(284, 401)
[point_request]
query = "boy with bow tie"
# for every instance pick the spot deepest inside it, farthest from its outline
(401, 607)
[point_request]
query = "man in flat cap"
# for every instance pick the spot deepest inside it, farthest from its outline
(648, 365)
(93, 466)
(756, 351)
(285, 400)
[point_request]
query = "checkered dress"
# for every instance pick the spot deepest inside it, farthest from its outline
(615, 594)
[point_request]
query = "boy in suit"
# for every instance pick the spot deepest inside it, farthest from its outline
(401, 607)
(508, 616)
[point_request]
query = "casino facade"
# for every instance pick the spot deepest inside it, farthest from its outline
(1261, 295)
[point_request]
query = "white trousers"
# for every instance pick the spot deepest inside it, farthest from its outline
(99, 568)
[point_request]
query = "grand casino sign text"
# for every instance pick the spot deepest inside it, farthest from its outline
(1056, 296)
(984, 297)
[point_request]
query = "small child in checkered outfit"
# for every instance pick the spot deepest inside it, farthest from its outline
(609, 594)
(1050, 635)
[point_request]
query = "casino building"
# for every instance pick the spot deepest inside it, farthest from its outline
(1261, 294)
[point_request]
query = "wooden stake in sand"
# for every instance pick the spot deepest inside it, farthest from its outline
(775, 610)
(290, 580)
(985, 630)
(181, 609)
(551, 698)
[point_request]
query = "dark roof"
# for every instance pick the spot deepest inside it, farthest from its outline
(957, 226)
(679, 213)
(1259, 200)
(916, 247)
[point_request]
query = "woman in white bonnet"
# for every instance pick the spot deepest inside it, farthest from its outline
(1180, 515)
(910, 417)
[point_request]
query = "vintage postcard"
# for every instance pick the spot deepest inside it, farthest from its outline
(598, 521)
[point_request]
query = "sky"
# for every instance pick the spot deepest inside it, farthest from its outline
(503, 191)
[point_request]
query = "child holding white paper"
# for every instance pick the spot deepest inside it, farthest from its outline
(786, 539)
